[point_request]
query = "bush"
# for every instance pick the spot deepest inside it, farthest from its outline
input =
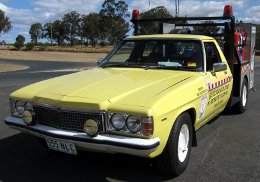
(18, 45)
(102, 44)
(86, 43)
(42, 48)
(29, 46)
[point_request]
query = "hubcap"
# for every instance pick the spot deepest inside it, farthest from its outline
(244, 96)
(183, 143)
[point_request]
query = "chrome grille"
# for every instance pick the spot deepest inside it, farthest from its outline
(63, 119)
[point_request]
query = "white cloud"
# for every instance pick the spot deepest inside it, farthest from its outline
(190, 7)
(204, 8)
(253, 15)
(47, 10)
(43, 11)
(57, 8)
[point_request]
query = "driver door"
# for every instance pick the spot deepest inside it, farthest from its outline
(218, 83)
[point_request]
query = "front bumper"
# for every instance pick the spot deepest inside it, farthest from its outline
(102, 143)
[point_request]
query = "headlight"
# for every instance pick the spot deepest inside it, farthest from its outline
(28, 106)
(133, 123)
(91, 127)
(28, 117)
(118, 121)
(19, 107)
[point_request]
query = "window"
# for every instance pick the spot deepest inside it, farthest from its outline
(159, 54)
(212, 55)
(148, 49)
(123, 54)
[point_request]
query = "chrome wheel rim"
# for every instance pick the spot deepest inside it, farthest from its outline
(244, 96)
(183, 142)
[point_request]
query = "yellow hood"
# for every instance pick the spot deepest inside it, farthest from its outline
(111, 85)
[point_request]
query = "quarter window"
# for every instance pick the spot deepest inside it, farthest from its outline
(212, 55)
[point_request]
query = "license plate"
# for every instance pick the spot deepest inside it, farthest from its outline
(61, 146)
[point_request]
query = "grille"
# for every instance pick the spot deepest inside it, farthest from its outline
(67, 120)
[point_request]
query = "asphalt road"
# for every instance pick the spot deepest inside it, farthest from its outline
(228, 148)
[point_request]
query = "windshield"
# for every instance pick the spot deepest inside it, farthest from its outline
(162, 54)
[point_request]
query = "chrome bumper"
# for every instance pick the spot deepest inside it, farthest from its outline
(102, 143)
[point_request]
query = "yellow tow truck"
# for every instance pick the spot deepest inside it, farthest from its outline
(146, 98)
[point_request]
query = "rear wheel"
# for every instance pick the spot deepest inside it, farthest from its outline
(175, 157)
(241, 106)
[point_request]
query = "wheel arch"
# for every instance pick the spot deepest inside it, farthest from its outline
(192, 113)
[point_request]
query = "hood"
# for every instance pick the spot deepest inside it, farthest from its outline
(122, 85)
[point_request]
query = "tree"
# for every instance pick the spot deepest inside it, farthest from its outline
(5, 24)
(48, 31)
(71, 22)
(206, 30)
(36, 32)
(153, 27)
(113, 25)
(91, 27)
(19, 42)
(56, 31)
(111, 8)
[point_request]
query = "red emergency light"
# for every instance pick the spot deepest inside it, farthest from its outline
(228, 11)
(135, 14)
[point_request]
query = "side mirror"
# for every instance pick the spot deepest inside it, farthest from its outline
(100, 61)
(217, 67)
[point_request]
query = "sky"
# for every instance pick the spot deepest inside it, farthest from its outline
(23, 13)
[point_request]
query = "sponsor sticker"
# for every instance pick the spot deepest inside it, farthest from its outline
(203, 104)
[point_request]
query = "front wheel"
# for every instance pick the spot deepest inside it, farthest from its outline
(241, 106)
(175, 157)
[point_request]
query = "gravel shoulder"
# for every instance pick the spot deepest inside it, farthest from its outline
(50, 56)
(7, 54)
(11, 67)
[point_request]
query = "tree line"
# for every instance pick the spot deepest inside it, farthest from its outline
(105, 27)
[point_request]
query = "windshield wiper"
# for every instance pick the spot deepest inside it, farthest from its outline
(146, 67)
(165, 67)
(125, 64)
(115, 65)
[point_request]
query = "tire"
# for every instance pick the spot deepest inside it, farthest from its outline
(42, 143)
(174, 159)
(241, 106)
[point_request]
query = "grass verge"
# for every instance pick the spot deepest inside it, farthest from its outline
(11, 67)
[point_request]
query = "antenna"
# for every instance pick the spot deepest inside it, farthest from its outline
(149, 5)
(176, 9)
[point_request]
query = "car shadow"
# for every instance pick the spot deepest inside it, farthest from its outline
(213, 120)
(23, 159)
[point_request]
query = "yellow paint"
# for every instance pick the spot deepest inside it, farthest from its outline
(172, 36)
(158, 93)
